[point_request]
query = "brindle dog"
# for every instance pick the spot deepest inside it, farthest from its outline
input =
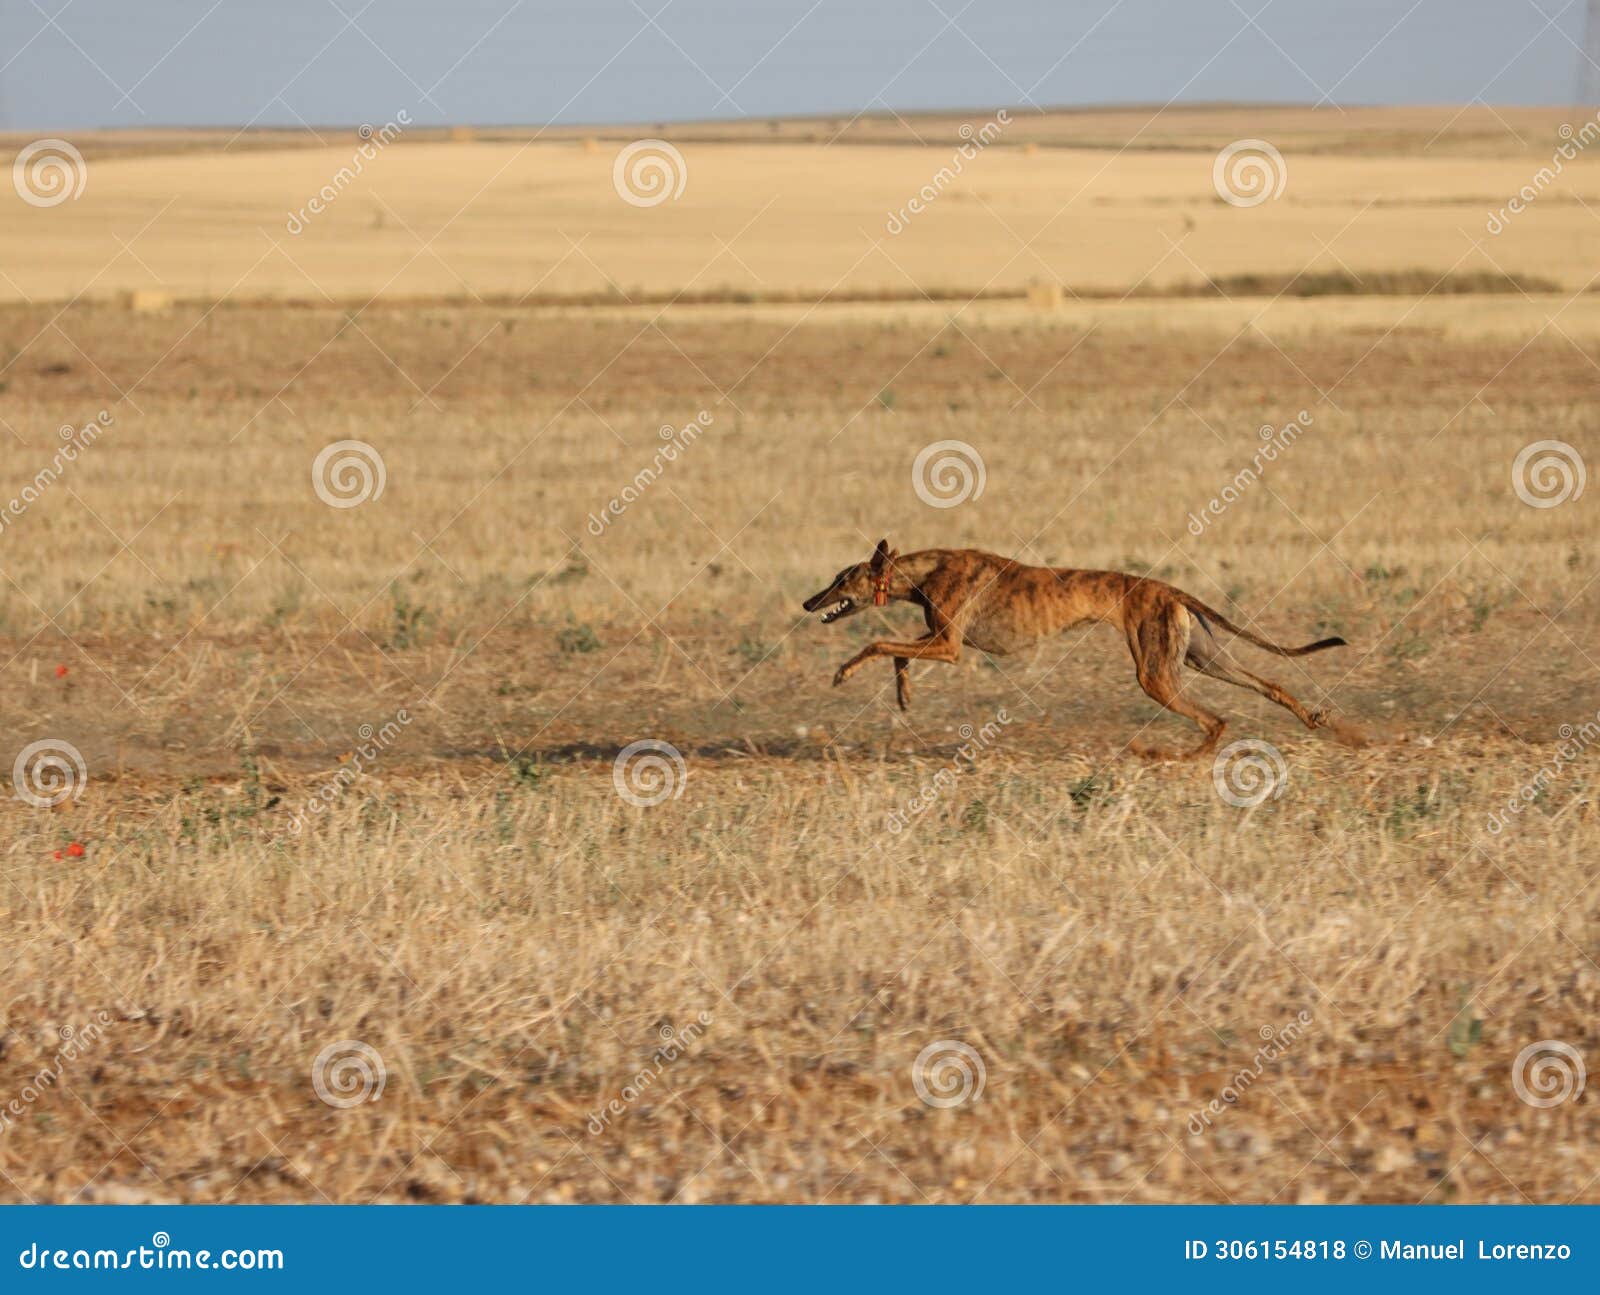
(999, 606)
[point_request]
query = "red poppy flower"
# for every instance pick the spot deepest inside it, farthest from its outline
(61, 672)
(58, 855)
(75, 850)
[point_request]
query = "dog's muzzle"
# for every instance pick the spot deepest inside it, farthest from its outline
(840, 606)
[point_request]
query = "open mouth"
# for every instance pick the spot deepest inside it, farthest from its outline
(841, 608)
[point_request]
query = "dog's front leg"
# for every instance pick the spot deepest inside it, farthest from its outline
(902, 674)
(854, 663)
(941, 646)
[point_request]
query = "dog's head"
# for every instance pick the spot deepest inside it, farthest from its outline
(863, 585)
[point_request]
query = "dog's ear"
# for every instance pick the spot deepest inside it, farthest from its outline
(881, 555)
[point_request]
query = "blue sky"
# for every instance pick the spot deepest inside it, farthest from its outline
(80, 63)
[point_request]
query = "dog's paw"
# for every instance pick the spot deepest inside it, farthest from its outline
(841, 675)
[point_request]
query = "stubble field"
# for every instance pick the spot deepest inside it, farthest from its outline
(354, 901)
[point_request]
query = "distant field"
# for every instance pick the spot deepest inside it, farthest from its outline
(351, 771)
(1081, 199)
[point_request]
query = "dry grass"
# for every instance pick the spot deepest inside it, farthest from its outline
(1110, 938)
(482, 908)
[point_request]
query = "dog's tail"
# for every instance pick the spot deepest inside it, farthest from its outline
(1206, 613)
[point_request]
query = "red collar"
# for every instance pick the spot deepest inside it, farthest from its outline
(880, 591)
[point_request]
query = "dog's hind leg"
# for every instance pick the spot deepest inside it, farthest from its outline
(1162, 687)
(902, 682)
(1158, 646)
(1206, 656)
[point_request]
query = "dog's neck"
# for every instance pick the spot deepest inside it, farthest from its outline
(907, 573)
